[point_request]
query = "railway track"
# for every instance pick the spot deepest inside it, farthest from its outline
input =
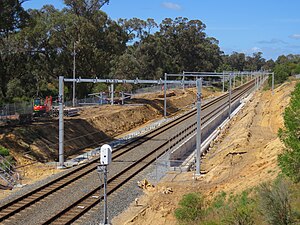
(115, 181)
(76, 210)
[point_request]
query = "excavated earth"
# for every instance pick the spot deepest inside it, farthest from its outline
(243, 156)
(35, 143)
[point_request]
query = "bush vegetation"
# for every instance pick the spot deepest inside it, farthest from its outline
(274, 203)
(191, 208)
(289, 160)
(4, 151)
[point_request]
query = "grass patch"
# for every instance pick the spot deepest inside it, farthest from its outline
(4, 151)
(190, 209)
(9, 160)
(270, 203)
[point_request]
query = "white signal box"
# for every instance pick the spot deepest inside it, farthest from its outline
(106, 152)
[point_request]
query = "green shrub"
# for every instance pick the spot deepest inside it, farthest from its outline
(191, 209)
(281, 73)
(235, 209)
(219, 200)
(289, 161)
(4, 151)
(240, 210)
(99, 87)
(275, 203)
(9, 160)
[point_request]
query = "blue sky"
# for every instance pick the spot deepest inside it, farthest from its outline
(270, 26)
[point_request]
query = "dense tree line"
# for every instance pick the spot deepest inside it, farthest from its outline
(37, 46)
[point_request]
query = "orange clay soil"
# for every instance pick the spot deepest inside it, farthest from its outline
(243, 156)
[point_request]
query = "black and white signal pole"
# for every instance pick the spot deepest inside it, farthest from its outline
(105, 160)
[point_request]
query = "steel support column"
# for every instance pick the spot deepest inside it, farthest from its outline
(229, 96)
(198, 153)
(61, 123)
(273, 83)
(241, 78)
(223, 88)
(112, 94)
(233, 80)
(183, 80)
(74, 73)
(165, 96)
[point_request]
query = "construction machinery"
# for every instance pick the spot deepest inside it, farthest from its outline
(45, 108)
(42, 107)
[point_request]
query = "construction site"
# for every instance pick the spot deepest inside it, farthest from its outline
(231, 160)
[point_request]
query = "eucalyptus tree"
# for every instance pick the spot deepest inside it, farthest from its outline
(255, 62)
(49, 43)
(12, 18)
(182, 44)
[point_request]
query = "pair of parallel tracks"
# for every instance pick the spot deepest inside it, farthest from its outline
(84, 204)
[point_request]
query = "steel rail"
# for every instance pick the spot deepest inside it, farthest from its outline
(91, 199)
(36, 195)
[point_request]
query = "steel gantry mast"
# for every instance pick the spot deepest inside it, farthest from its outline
(259, 78)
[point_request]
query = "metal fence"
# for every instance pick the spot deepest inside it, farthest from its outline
(8, 111)
(156, 88)
(12, 111)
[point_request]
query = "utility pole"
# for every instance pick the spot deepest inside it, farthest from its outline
(255, 82)
(223, 89)
(165, 96)
(74, 73)
(112, 94)
(122, 97)
(233, 79)
(198, 150)
(183, 80)
(229, 109)
(241, 76)
(61, 123)
(273, 83)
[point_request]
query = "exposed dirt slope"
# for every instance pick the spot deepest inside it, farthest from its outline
(38, 142)
(244, 156)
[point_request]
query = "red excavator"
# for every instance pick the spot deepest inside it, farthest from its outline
(42, 107)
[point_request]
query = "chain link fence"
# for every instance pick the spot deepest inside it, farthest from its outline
(12, 111)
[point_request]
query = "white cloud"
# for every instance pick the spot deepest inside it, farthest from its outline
(295, 36)
(171, 5)
(256, 49)
(272, 41)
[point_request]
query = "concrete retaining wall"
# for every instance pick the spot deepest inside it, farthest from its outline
(187, 147)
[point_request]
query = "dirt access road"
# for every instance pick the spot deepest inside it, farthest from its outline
(243, 156)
